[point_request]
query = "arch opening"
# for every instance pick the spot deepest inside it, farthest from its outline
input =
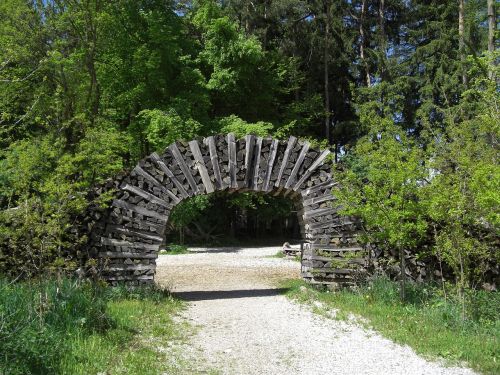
(223, 219)
(128, 236)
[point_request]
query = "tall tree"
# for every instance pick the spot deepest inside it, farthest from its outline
(326, 62)
(461, 38)
(362, 42)
(492, 23)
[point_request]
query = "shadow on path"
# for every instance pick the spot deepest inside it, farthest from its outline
(202, 295)
(217, 250)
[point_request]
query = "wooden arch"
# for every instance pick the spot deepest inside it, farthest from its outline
(127, 237)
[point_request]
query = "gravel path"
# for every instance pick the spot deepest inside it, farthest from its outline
(245, 326)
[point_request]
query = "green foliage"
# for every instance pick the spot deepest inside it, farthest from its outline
(189, 210)
(234, 124)
(164, 128)
(88, 88)
(463, 196)
(382, 184)
(429, 322)
(438, 189)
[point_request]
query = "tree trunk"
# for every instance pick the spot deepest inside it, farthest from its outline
(491, 30)
(491, 25)
(461, 38)
(362, 42)
(381, 26)
(326, 73)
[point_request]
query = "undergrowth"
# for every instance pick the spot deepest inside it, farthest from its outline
(174, 249)
(66, 327)
(431, 321)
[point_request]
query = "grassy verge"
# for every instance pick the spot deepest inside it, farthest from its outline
(175, 250)
(68, 328)
(280, 254)
(432, 325)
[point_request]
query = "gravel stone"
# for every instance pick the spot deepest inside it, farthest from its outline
(245, 326)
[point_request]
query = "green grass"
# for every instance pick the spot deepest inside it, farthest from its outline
(68, 328)
(432, 325)
(281, 255)
(175, 250)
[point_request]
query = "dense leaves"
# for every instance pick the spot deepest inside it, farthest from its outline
(89, 87)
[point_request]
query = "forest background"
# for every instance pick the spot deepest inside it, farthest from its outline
(404, 92)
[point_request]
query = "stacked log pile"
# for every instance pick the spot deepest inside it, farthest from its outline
(333, 255)
(128, 236)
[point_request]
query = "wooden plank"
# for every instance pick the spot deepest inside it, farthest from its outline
(231, 145)
(322, 186)
(336, 248)
(341, 271)
(140, 210)
(272, 156)
(291, 143)
(320, 199)
(298, 164)
(130, 267)
(155, 182)
(332, 281)
(258, 146)
(152, 198)
(319, 160)
(111, 228)
(129, 278)
(120, 255)
(185, 169)
(335, 259)
(249, 148)
(320, 212)
(139, 222)
(334, 223)
(202, 168)
(156, 158)
(132, 245)
(210, 141)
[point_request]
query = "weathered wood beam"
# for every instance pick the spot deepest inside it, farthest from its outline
(202, 168)
(231, 145)
(319, 160)
(320, 199)
(322, 186)
(249, 148)
(144, 194)
(270, 164)
(141, 172)
(156, 158)
(131, 245)
(140, 210)
(184, 168)
(291, 143)
(122, 255)
(210, 141)
(120, 229)
(298, 164)
(258, 145)
(320, 212)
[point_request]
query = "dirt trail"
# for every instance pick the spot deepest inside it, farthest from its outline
(245, 326)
